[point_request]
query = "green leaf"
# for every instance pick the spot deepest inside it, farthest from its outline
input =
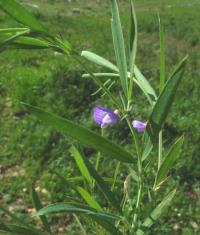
(118, 42)
(145, 85)
(156, 213)
(168, 162)
(133, 38)
(38, 205)
(102, 184)
(162, 55)
(81, 165)
(31, 43)
(86, 75)
(74, 208)
(18, 229)
(98, 60)
(12, 30)
(148, 147)
(14, 37)
(97, 81)
(140, 81)
(20, 221)
(83, 135)
(164, 102)
(8, 38)
(20, 14)
(91, 201)
(104, 219)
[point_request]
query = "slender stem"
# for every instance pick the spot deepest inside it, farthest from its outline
(115, 175)
(99, 154)
(137, 207)
(140, 180)
(135, 137)
(97, 81)
(80, 225)
(160, 150)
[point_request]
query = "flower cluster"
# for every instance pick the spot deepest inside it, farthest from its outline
(106, 117)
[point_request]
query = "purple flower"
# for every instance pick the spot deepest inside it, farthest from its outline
(104, 117)
(139, 126)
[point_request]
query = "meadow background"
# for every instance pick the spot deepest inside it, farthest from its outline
(29, 150)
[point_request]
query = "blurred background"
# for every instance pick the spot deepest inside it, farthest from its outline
(29, 150)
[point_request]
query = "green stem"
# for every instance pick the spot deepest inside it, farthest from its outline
(137, 207)
(140, 180)
(99, 154)
(160, 150)
(115, 175)
(80, 225)
(97, 81)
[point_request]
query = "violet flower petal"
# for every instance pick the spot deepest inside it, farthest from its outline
(104, 116)
(139, 125)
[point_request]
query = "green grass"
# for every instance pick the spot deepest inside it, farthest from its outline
(53, 82)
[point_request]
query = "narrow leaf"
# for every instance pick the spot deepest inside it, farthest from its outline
(81, 134)
(19, 13)
(38, 205)
(73, 208)
(133, 38)
(168, 162)
(12, 30)
(81, 165)
(162, 55)
(145, 85)
(101, 75)
(118, 42)
(102, 185)
(91, 201)
(99, 60)
(6, 39)
(148, 147)
(164, 102)
(18, 229)
(19, 221)
(32, 42)
(156, 213)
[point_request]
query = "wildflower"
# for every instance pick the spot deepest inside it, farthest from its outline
(105, 117)
(139, 126)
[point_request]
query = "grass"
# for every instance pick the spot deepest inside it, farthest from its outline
(28, 149)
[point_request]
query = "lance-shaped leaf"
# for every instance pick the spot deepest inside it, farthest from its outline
(12, 30)
(20, 14)
(22, 224)
(133, 38)
(162, 55)
(18, 229)
(81, 164)
(6, 38)
(145, 85)
(99, 60)
(118, 42)
(31, 43)
(75, 208)
(156, 213)
(38, 205)
(104, 219)
(91, 201)
(164, 102)
(168, 162)
(102, 184)
(82, 134)
(148, 147)
(22, 38)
